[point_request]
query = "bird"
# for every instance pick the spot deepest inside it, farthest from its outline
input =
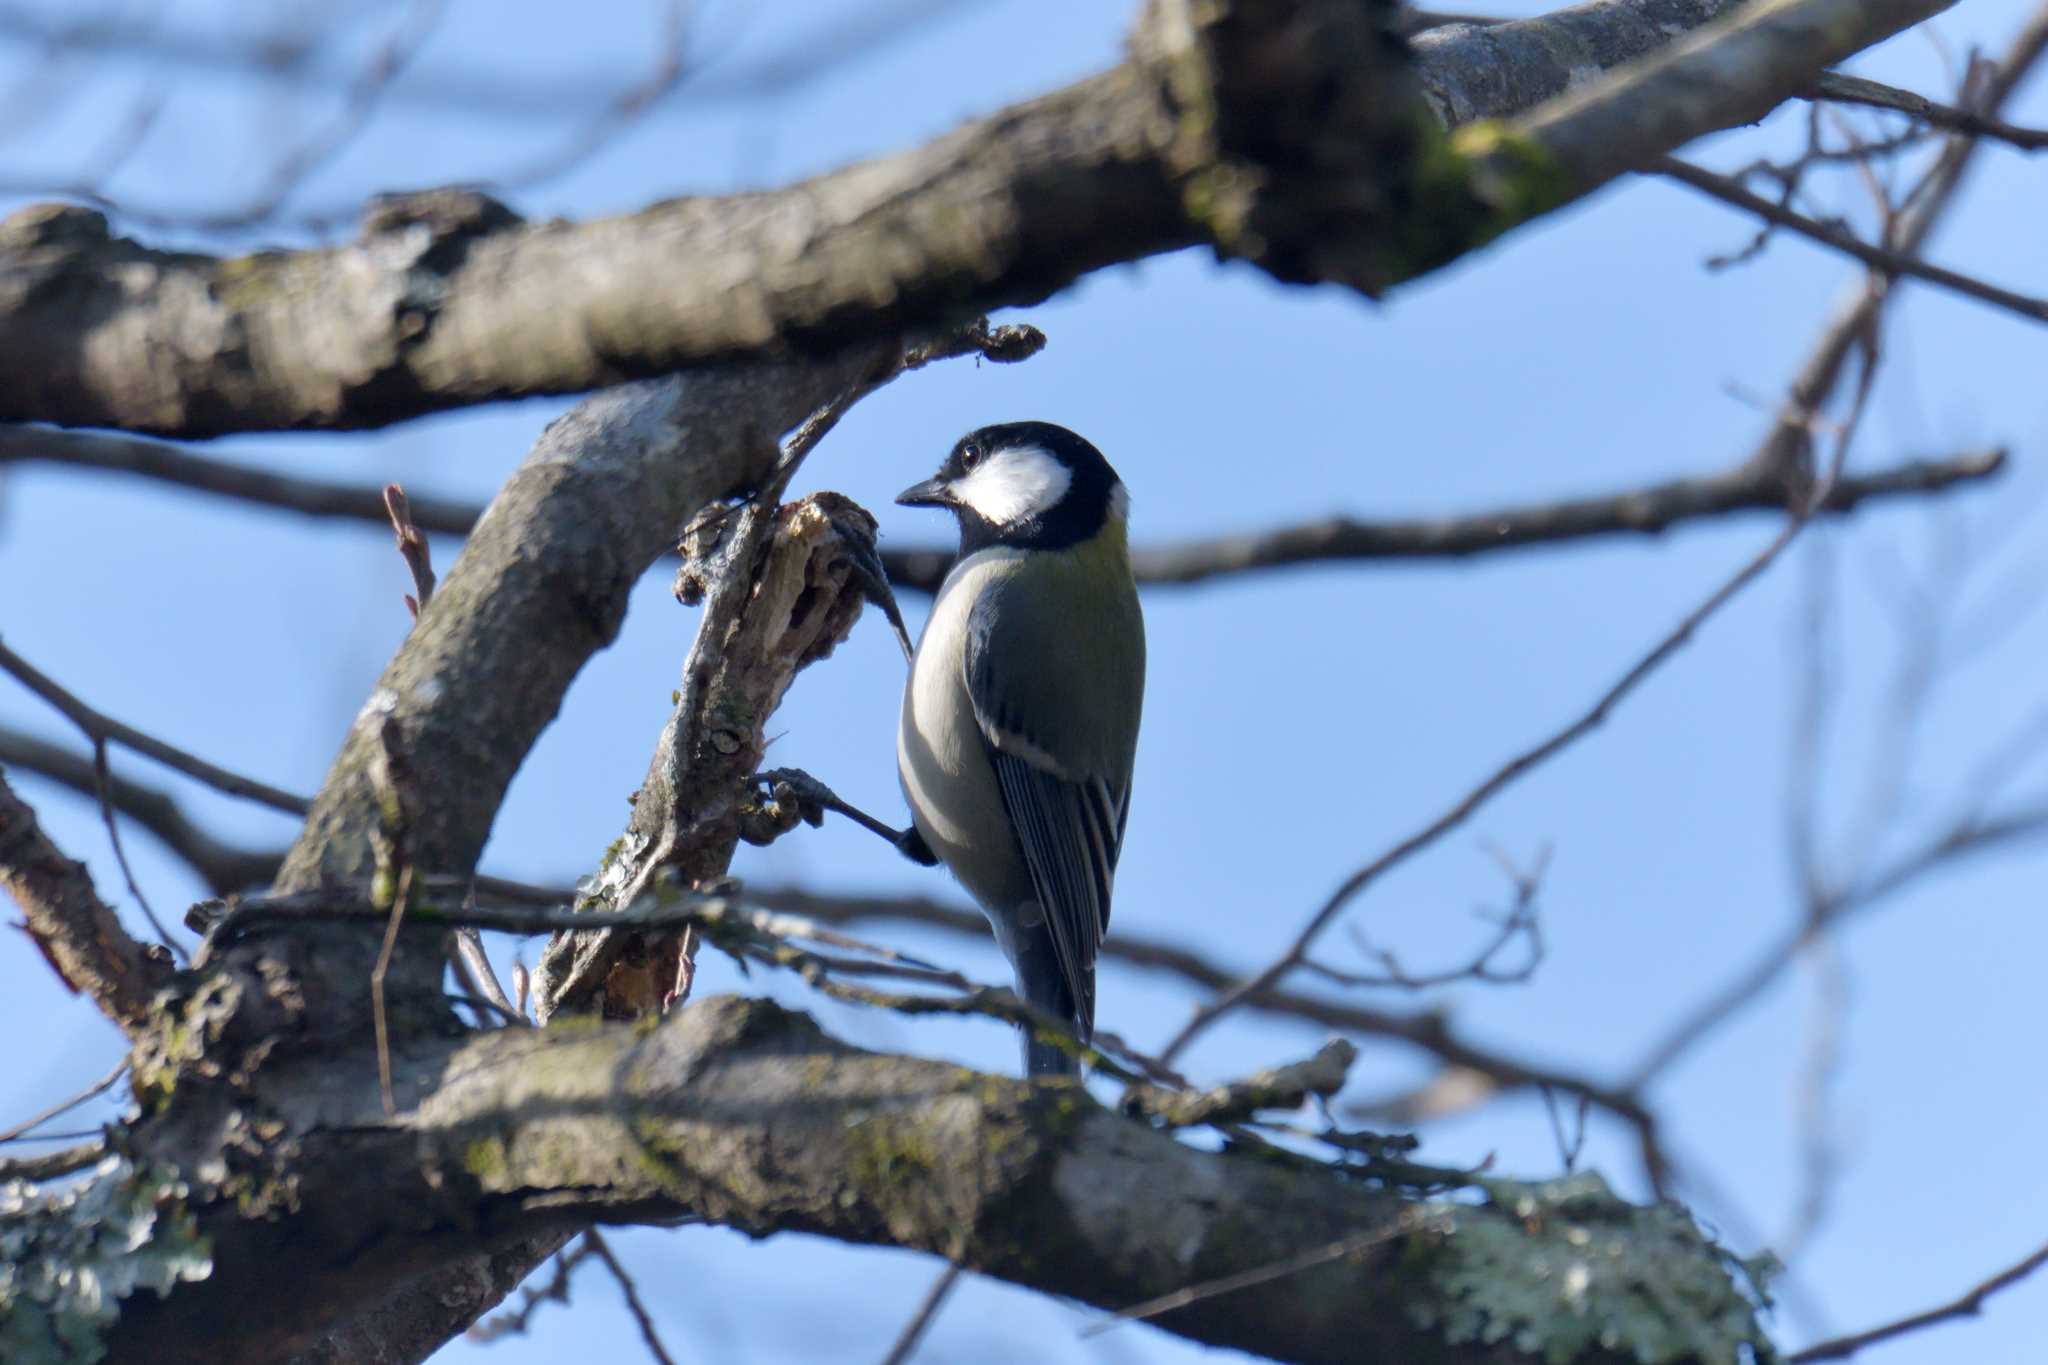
(1019, 727)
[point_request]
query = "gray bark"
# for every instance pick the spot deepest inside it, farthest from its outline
(1296, 135)
(745, 1114)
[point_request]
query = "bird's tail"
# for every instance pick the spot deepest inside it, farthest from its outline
(1048, 1059)
(1040, 982)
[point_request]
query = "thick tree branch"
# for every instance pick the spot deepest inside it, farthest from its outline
(78, 933)
(540, 586)
(1729, 73)
(746, 1115)
(1295, 135)
(1501, 69)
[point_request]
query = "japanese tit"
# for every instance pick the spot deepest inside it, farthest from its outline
(1020, 720)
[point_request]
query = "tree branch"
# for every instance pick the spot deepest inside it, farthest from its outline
(780, 595)
(102, 728)
(1968, 1305)
(746, 1115)
(1838, 88)
(224, 867)
(1428, 1031)
(1786, 446)
(539, 587)
(1882, 259)
(1650, 510)
(541, 584)
(78, 934)
(448, 298)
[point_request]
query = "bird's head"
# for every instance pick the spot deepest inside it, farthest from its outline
(1031, 485)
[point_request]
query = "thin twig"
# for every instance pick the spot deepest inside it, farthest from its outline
(223, 867)
(1967, 1306)
(603, 1251)
(103, 783)
(1941, 852)
(748, 933)
(515, 1321)
(1859, 316)
(98, 1087)
(1502, 778)
(1882, 259)
(398, 900)
(1819, 1157)
(1569, 1146)
(1424, 1030)
(928, 1307)
(100, 727)
(1843, 89)
(1409, 1221)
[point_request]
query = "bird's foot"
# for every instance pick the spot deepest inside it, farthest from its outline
(782, 804)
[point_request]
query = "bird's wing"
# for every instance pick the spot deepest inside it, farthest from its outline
(1060, 720)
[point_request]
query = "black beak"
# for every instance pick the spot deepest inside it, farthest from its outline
(933, 492)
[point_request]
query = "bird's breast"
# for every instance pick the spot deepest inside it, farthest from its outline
(941, 757)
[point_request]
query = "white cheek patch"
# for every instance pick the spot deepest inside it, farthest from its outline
(1013, 484)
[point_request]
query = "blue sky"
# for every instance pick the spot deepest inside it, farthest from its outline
(1297, 723)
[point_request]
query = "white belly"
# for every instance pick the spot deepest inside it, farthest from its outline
(940, 754)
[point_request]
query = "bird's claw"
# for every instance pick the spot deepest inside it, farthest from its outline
(788, 797)
(793, 787)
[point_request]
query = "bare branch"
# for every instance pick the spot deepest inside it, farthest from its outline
(1845, 89)
(103, 782)
(526, 95)
(1880, 258)
(1967, 1306)
(101, 728)
(98, 1087)
(514, 1322)
(922, 1316)
(1266, 1274)
(641, 1318)
(1948, 849)
(1650, 510)
(1505, 776)
(1427, 1031)
(1282, 1087)
(78, 934)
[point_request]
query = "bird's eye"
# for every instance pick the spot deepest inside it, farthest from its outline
(970, 454)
